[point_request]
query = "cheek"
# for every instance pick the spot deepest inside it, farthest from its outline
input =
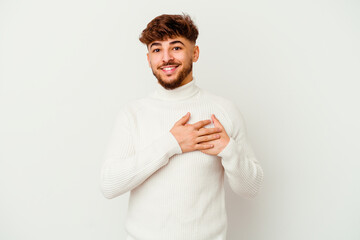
(184, 57)
(154, 62)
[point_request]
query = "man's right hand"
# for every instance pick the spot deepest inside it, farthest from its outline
(193, 137)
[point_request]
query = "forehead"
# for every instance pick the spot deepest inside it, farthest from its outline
(169, 41)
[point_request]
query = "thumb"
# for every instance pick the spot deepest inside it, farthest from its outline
(184, 119)
(216, 122)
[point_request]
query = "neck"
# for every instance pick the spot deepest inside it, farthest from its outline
(186, 90)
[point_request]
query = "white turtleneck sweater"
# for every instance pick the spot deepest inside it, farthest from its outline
(175, 195)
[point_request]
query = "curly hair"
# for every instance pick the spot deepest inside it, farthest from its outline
(169, 26)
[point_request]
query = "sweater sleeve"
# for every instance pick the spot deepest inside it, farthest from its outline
(243, 170)
(123, 169)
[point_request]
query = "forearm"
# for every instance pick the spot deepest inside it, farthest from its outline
(119, 175)
(244, 172)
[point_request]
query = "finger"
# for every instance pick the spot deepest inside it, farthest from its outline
(184, 119)
(207, 138)
(201, 123)
(202, 146)
(216, 121)
(206, 131)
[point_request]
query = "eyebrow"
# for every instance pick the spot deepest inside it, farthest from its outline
(177, 41)
(154, 44)
(171, 43)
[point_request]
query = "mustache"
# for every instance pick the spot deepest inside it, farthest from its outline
(170, 63)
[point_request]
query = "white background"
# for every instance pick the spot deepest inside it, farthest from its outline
(292, 67)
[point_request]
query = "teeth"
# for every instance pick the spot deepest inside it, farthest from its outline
(168, 68)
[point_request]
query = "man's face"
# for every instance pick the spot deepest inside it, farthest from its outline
(171, 61)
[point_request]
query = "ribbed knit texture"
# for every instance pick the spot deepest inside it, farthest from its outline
(175, 195)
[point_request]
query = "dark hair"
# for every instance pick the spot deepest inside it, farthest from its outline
(169, 26)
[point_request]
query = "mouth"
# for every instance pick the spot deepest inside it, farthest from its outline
(169, 69)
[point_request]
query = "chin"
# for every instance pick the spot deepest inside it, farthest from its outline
(169, 79)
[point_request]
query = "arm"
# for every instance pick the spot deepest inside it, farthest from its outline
(243, 170)
(124, 169)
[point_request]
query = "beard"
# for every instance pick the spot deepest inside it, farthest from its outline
(177, 82)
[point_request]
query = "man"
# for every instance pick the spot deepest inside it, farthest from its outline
(167, 151)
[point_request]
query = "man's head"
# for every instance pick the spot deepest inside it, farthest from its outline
(171, 40)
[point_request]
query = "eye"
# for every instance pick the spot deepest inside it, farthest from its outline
(177, 48)
(156, 50)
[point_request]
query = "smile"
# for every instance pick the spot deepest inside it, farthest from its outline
(169, 69)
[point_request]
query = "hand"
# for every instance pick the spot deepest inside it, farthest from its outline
(193, 137)
(219, 144)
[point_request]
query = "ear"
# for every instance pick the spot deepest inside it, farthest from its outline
(196, 53)
(148, 59)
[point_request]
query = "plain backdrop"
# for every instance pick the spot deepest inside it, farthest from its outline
(292, 68)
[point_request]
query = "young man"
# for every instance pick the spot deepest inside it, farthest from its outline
(173, 148)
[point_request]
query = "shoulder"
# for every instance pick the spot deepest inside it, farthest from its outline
(227, 105)
(125, 113)
(131, 107)
(230, 111)
(209, 95)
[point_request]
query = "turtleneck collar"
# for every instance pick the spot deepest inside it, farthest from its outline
(180, 93)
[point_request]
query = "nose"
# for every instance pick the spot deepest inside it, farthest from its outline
(167, 56)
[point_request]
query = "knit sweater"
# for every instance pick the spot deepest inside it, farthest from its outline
(175, 195)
